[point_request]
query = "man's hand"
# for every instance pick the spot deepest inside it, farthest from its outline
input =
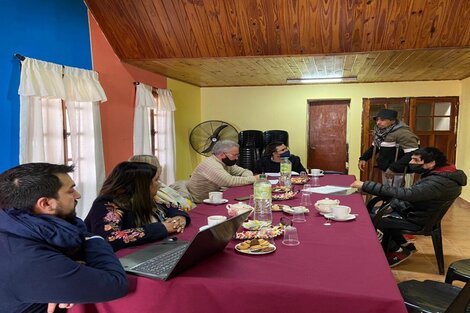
(389, 173)
(361, 165)
(357, 184)
(51, 306)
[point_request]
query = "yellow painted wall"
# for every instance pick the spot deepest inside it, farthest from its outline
(187, 115)
(463, 138)
(285, 107)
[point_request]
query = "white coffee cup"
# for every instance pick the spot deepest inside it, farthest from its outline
(316, 172)
(215, 219)
(216, 196)
(340, 211)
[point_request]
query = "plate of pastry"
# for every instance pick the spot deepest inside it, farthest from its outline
(280, 189)
(299, 180)
(284, 196)
(263, 233)
(255, 247)
(279, 207)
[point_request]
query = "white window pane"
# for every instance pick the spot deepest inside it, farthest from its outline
(442, 108)
(442, 123)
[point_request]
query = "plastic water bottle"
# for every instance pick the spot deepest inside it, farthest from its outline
(262, 200)
(286, 173)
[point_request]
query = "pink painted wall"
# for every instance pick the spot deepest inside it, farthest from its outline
(117, 114)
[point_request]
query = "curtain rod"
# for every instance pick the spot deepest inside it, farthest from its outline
(19, 57)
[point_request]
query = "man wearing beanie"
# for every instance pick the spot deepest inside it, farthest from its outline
(390, 135)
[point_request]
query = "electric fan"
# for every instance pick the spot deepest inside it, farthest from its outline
(204, 136)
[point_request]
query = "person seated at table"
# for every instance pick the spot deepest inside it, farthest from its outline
(412, 206)
(48, 258)
(166, 195)
(219, 171)
(126, 214)
(270, 162)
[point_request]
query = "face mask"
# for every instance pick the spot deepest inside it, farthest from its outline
(417, 168)
(229, 162)
(285, 154)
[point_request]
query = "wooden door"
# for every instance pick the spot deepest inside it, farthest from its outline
(434, 120)
(370, 108)
(327, 146)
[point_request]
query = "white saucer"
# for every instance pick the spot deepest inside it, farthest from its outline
(319, 175)
(208, 201)
(348, 218)
(292, 210)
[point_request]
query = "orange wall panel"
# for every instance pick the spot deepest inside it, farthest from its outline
(117, 114)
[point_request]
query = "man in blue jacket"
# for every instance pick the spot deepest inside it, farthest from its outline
(47, 257)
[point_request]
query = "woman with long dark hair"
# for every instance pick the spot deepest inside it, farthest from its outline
(125, 212)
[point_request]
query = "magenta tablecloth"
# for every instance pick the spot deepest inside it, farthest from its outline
(337, 268)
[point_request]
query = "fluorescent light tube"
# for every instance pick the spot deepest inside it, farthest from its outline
(321, 80)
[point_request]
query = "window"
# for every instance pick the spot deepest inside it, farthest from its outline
(433, 116)
(154, 131)
(66, 135)
(154, 126)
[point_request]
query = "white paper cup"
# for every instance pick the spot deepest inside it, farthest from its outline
(216, 196)
(340, 211)
(215, 219)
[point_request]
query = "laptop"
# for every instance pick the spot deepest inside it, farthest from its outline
(164, 260)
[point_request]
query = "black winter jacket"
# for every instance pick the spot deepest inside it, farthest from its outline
(266, 165)
(426, 195)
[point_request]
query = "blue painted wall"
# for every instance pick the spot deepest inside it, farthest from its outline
(50, 30)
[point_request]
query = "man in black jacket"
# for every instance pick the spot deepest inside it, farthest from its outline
(270, 162)
(439, 183)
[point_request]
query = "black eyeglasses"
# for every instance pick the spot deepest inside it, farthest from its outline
(285, 221)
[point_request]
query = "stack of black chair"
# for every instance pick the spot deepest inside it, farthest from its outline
(276, 135)
(251, 146)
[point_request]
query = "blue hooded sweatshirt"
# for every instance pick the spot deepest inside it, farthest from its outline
(46, 259)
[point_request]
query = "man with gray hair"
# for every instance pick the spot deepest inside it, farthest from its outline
(219, 171)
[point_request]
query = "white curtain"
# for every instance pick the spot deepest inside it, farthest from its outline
(166, 134)
(144, 101)
(42, 86)
(165, 125)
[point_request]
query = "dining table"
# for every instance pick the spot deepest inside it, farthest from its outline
(339, 267)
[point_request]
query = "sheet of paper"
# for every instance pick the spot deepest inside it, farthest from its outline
(273, 174)
(279, 174)
(326, 189)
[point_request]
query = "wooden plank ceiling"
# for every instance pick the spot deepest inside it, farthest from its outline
(211, 43)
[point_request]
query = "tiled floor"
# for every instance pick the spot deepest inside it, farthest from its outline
(456, 241)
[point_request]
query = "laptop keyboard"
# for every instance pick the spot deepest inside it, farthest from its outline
(163, 263)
